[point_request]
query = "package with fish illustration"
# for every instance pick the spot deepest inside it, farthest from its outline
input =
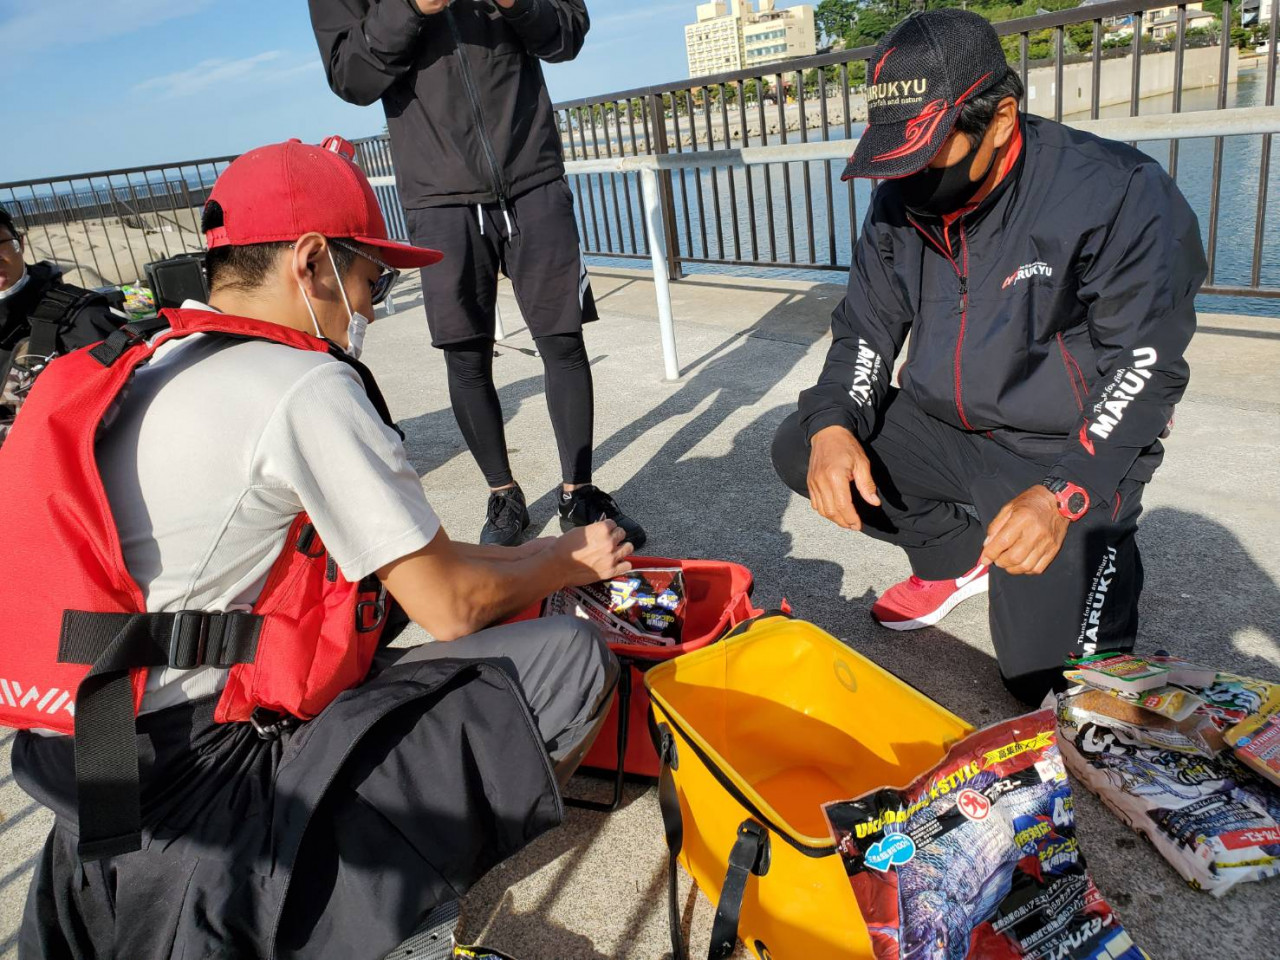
(978, 857)
(645, 606)
(1213, 819)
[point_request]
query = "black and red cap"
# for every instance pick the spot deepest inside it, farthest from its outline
(285, 190)
(922, 73)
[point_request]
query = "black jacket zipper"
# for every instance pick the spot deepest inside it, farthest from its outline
(962, 273)
(474, 96)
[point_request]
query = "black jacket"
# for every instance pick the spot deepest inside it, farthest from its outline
(467, 107)
(92, 321)
(1052, 318)
(44, 319)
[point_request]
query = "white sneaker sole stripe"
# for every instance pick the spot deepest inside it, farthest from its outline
(971, 589)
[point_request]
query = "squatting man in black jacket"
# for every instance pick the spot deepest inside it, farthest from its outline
(1047, 279)
(480, 171)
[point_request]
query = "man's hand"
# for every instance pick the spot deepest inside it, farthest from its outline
(593, 553)
(428, 7)
(1026, 534)
(836, 460)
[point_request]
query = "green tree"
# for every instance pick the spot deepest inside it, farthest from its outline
(1080, 37)
(871, 25)
(835, 18)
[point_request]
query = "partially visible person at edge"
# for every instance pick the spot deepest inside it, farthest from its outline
(1048, 280)
(40, 318)
(480, 170)
(394, 797)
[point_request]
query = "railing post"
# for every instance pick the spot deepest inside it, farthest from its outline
(656, 229)
(666, 192)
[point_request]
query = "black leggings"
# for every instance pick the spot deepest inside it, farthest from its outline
(570, 399)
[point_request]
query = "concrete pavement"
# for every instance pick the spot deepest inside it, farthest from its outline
(691, 460)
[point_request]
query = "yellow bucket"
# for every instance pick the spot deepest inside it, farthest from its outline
(756, 733)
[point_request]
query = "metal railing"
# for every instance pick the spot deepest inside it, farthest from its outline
(792, 215)
(786, 214)
(103, 228)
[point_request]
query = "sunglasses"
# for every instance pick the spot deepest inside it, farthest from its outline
(386, 280)
(13, 242)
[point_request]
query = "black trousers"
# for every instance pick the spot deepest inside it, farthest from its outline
(927, 473)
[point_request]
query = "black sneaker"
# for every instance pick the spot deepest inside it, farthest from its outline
(589, 504)
(506, 518)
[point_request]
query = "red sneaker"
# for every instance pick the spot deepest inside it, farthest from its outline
(915, 603)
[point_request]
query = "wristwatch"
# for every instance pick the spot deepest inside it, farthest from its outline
(1073, 501)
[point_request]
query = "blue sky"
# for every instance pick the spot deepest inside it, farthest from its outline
(97, 84)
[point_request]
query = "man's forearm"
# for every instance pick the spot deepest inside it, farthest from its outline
(503, 588)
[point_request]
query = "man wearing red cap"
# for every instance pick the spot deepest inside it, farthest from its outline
(298, 789)
(480, 170)
(1047, 279)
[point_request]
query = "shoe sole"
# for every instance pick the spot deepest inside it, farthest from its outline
(434, 939)
(971, 589)
(637, 542)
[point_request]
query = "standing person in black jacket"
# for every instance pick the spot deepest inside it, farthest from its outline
(480, 171)
(1048, 281)
(40, 318)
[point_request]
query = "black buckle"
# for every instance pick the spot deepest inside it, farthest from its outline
(188, 639)
(270, 725)
(379, 608)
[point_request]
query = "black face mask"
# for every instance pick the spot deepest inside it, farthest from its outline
(935, 191)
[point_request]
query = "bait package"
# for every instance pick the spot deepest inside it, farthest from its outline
(1193, 734)
(1231, 699)
(1215, 821)
(645, 606)
(1175, 703)
(978, 857)
(1256, 741)
(1132, 674)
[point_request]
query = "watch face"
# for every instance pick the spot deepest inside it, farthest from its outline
(1076, 503)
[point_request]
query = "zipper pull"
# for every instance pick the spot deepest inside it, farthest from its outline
(964, 290)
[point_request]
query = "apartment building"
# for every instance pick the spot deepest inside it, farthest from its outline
(732, 35)
(779, 34)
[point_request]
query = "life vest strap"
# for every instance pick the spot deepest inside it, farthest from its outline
(114, 644)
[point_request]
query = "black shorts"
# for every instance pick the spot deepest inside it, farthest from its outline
(536, 244)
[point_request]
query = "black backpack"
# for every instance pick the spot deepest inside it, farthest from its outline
(49, 322)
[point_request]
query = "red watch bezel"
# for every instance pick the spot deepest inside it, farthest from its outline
(1064, 495)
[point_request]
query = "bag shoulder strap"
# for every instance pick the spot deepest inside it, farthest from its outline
(370, 387)
(750, 854)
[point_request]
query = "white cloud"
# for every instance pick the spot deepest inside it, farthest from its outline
(40, 24)
(263, 70)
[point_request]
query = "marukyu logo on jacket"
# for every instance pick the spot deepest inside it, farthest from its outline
(1026, 272)
(50, 700)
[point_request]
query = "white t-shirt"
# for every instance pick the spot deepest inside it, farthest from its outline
(213, 450)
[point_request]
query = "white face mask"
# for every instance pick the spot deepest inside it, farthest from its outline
(357, 323)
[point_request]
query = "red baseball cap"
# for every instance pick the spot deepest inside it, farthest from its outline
(282, 191)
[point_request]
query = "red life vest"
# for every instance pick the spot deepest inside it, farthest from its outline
(77, 640)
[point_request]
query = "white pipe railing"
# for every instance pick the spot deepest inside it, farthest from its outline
(1234, 122)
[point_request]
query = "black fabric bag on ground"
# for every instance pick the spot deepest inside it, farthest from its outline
(329, 844)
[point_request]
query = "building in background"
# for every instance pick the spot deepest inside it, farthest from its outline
(714, 43)
(779, 34)
(731, 35)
